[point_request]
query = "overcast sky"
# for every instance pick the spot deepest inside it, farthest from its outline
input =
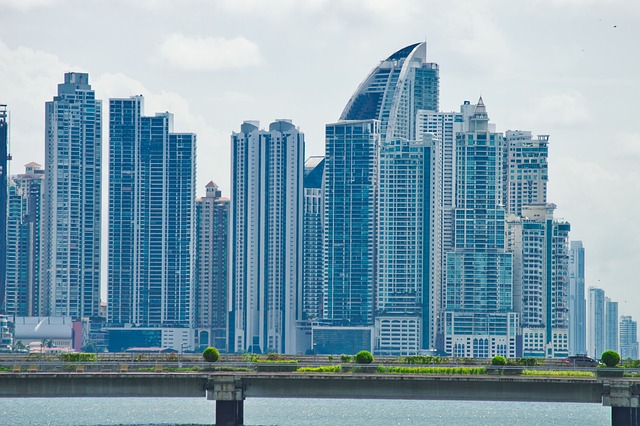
(567, 68)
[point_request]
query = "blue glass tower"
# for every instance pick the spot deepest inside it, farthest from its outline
(151, 219)
(351, 186)
(395, 90)
(73, 194)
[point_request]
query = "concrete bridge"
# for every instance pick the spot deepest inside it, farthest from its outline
(229, 390)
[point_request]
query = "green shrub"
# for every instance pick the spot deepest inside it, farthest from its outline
(345, 359)
(78, 357)
(322, 369)
(211, 354)
(330, 358)
(433, 370)
(273, 356)
(558, 373)
(499, 360)
(250, 357)
(364, 357)
(610, 358)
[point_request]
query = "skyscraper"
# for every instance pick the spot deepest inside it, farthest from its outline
(577, 301)
(539, 244)
(151, 218)
(611, 321)
(23, 290)
(212, 271)
(444, 126)
(395, 90)
(525, 170)
(350, 202)
(404, 309)
(313, 238)
(596, 319)
(72, 208)
(4, 194)
(266, 238)
(479, 320)
(628, 338)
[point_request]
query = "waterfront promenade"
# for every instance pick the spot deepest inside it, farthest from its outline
(230, 389)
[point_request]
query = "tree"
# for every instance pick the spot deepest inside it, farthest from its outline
(610, 358)
(499, 360)
(211, 354)
(364, 357)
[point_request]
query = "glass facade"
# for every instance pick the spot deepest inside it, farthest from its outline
(479, 317)
(351, 185)
(151, 220)
(313, 238)
(395, 90)
(403, 307)
(72, 209)
(577, 301)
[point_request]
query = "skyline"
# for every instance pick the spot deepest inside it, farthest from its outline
(561, 81)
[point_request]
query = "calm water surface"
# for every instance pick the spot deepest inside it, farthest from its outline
(296, 412)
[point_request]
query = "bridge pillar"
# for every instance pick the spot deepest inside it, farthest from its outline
(229, 396)
(624, 401)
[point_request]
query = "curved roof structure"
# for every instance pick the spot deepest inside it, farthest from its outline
(395, 90)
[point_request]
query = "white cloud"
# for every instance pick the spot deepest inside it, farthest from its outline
(210, 54)
(26, 5)
(564, 109)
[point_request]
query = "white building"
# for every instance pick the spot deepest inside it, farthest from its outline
(525, 170)
(405, 311)
(539, 244)
(266, 237)
(72, 210)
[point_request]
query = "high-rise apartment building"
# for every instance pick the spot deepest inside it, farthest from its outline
(72, 207)
(540, 247)
(596, 321)
(404, 309)
(611, 321)
(628, 338)
(525, 170)
(312, 236)
(395, 90)
(4, 195)
(266, 238)
(24, 230)
(151, 219)
(577, 301)
(479, 320)
(444, 126)
(350, 217)
(212, 271)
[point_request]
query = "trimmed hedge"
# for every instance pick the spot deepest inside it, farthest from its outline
(211, 354)
(499, 360)
(610, 358)
(364, 357)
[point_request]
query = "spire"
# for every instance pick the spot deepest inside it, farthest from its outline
(481, 109)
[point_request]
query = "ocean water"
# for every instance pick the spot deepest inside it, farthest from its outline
(297, 412)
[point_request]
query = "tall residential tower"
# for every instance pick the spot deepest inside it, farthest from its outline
(266, 238)
(479, 320)
(73, 197)
(151, 219)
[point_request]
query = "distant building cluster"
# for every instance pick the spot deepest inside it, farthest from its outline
(419, 231)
